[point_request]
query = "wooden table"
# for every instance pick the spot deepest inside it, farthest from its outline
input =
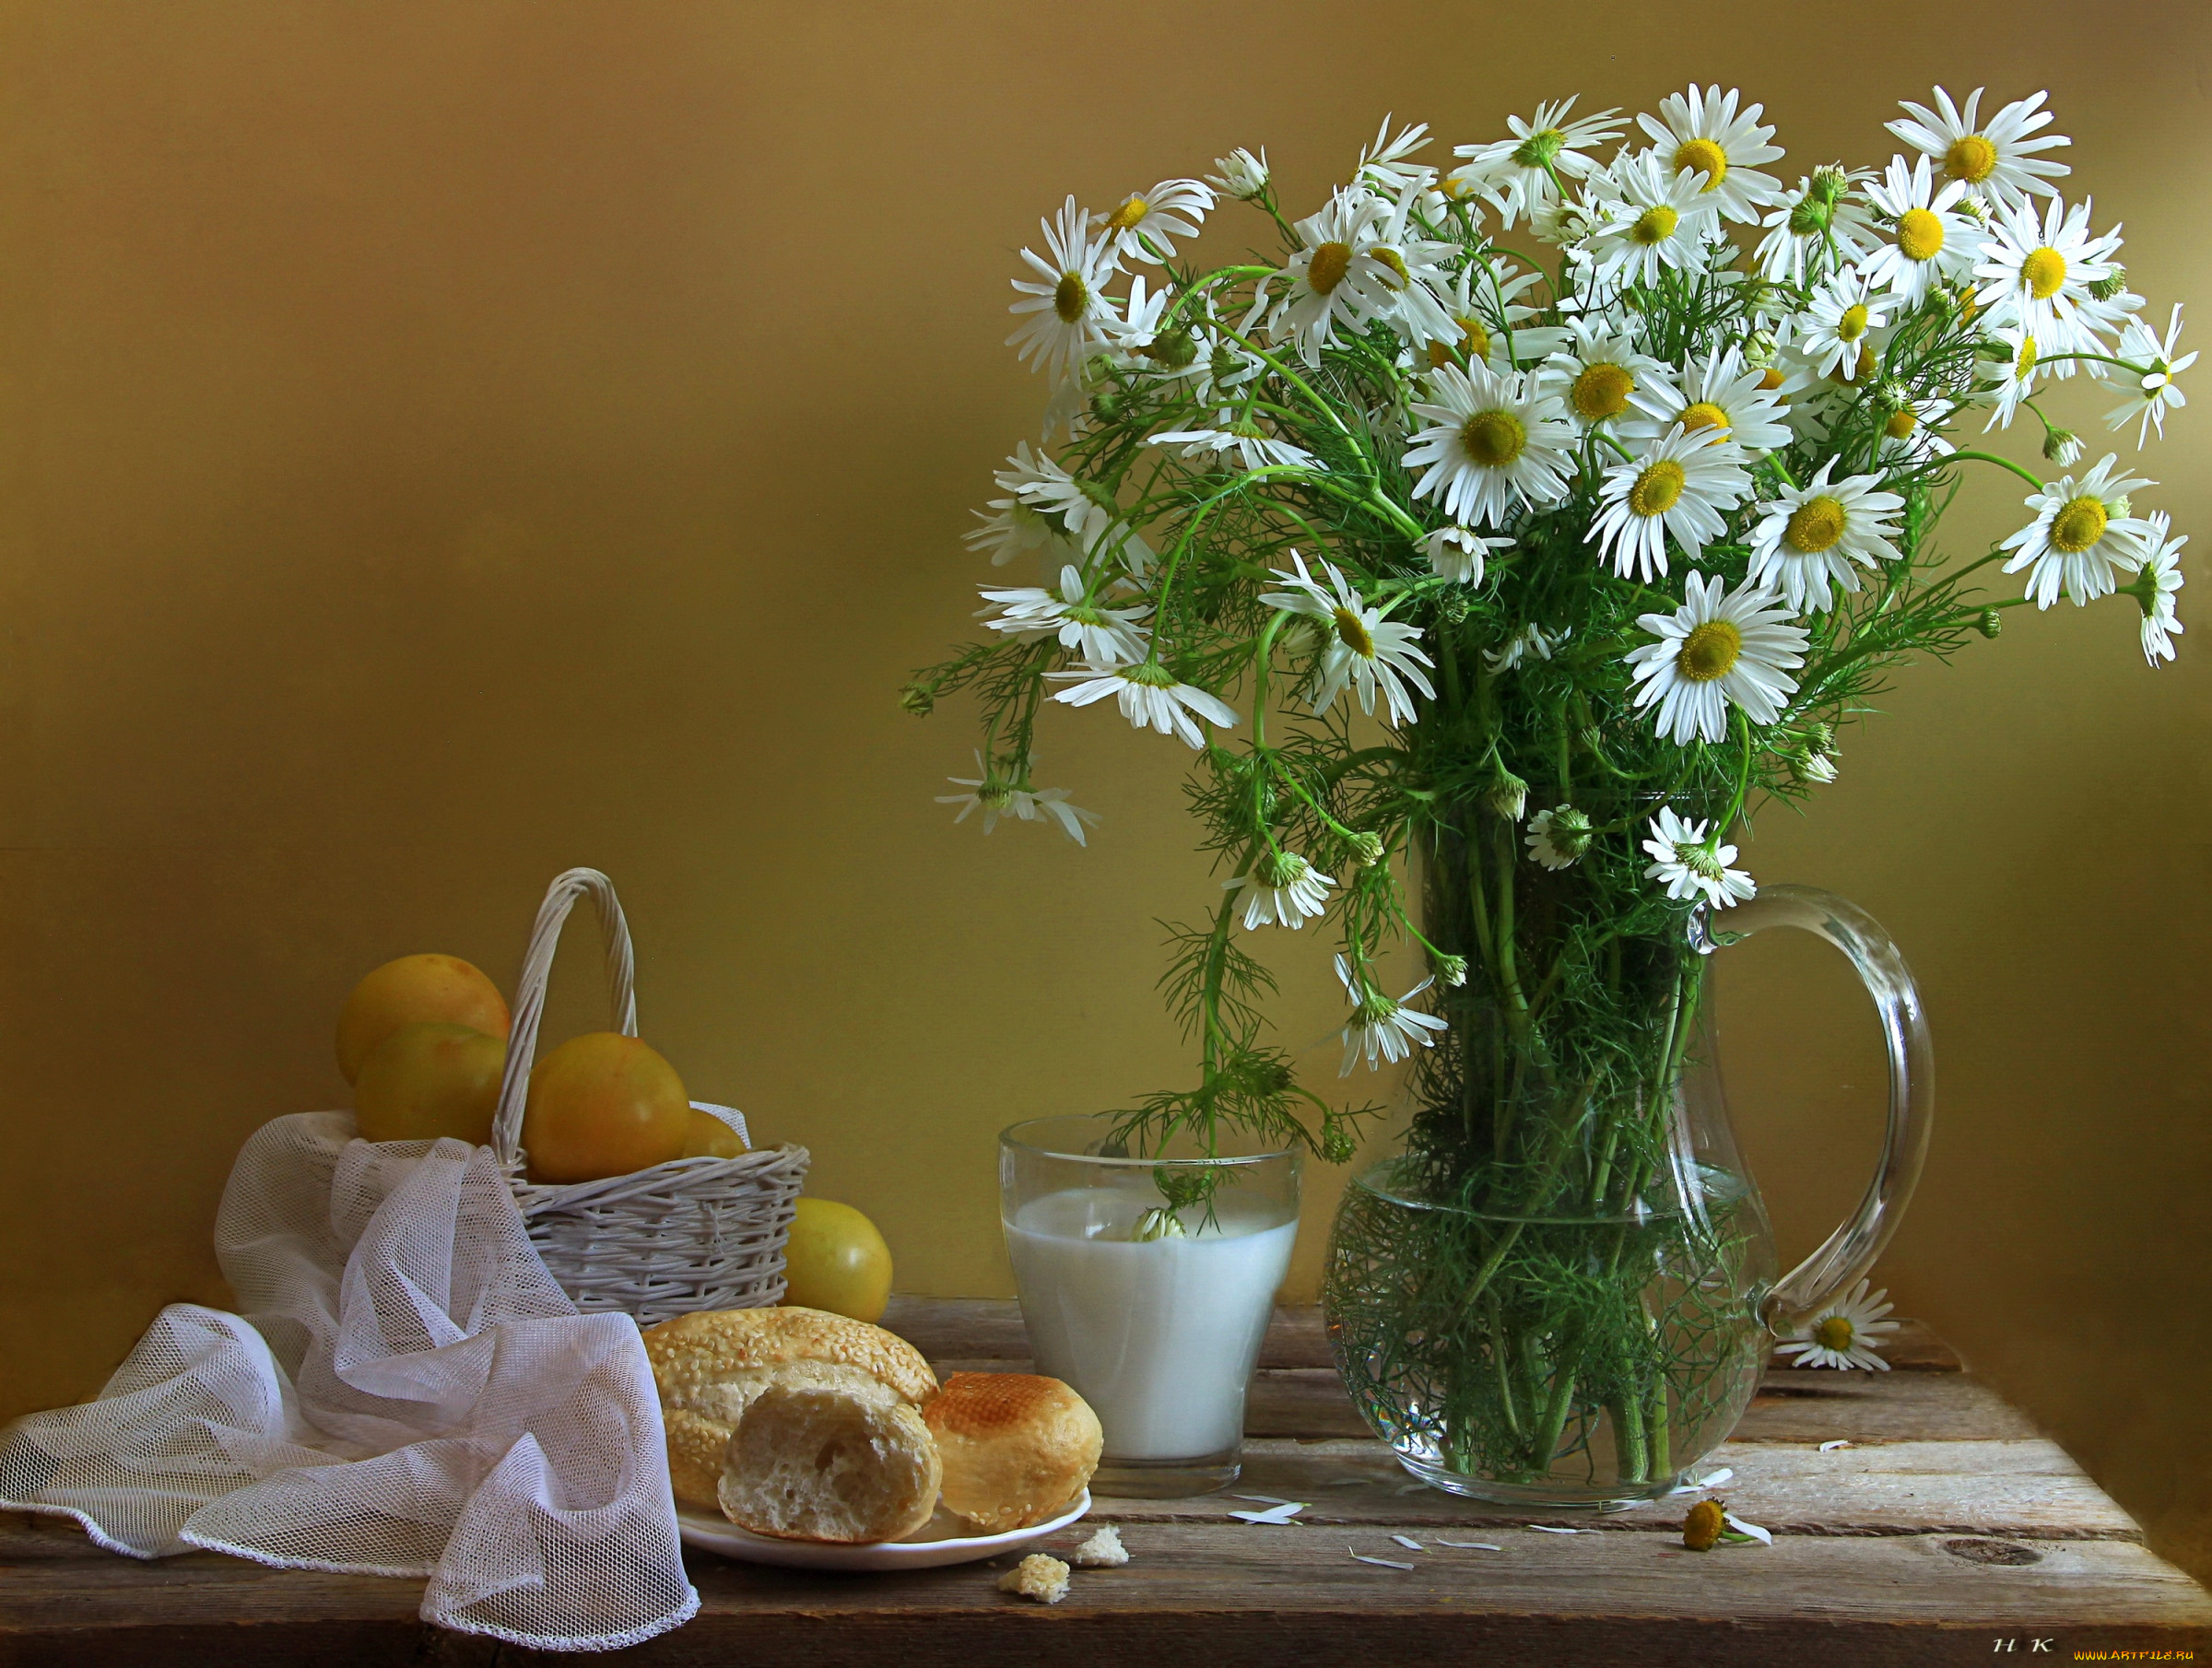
(1946, 1529)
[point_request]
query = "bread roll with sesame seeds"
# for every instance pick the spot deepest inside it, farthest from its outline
(1016, 1448)
(709, 1366)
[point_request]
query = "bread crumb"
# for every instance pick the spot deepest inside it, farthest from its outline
(1102, 1551)
(1037, 1576)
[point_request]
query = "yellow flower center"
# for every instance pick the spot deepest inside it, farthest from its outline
(1326, 269)
(1770, 377)
(1836, 1333)
(1657, 489)
(1478, 342)
(1918, 235)
(1814, 525)
(1705, 156)
(1393, 260)
(2044, 271)
(1071, 298)
(1859, 372)
(1601, 392)
(1853, 324)
(1655, 224)
(1901, 423)
(1129, 214)
(1971, 158)
(1493, 439)
(1709, 651)
(2023, 364)
(1352, 631)
(1706, 414)
(2077, 526)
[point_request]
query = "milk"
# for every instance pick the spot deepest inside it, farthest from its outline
(1159, 1336)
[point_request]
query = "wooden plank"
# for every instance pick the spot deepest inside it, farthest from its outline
(976, 1330)
(1228, 1596)
(2027, 1487)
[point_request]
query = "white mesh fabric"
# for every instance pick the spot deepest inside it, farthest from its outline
(409, 1393)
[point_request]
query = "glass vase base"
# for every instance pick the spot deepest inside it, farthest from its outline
(1544, 1494)
(1165, 1479)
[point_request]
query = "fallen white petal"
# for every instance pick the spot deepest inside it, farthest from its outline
(1764, 1537)
(1410, 1489)
(1407, 1542)
(1274, 1514)
(1832, 1447)
(1385, 1563)
(1713, 1479)
(1472, 1545)
(1548, 1529)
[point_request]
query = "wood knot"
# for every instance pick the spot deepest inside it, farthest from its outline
(1975, 1551)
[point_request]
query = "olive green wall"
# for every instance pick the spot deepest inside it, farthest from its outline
(442, 444)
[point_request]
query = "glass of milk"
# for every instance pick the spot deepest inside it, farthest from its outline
(1153, 1310)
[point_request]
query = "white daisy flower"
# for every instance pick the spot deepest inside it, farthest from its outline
(1843, 1333)
(1360, 646)
(1149, 694)
(1103, 636)
(1243, 175)
(1283, 888)
(2157, 586)
(1717, 392)
(1147, 223)
(2037, 276)
(1558, 838)
(1824, 207)
(1144, 339)
(2079, 535)
(1716, 651)
(1913, 433)
(1703, 132)
(1837, 323)
(1256, 450)
(999, 798)
(1382, 1029)
(1422, 268)
(2153, 393)
(1517, 174)
(1599, 375)
(1653, 221)
(1813, 533)
(1383, 164)
(2016, 379)
(1042, 509)
(1526, 641)
(1679, 485)
(1459, 554)
(1068, 308)
(1336, 277)
(1996, 159)
(1493, 443)
(1935, 243)
(1493, 323)
(1692, 863)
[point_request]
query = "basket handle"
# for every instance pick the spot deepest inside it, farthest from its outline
(530, 993)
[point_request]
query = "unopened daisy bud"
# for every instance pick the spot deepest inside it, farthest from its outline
(1452, 970)
(1337, 1141)
(1173, 349)
(1367, 849)
(2120, 509)
(1892, 395)
(1809, 216)
(1701, 1525)
(1243, 176)
(1759, 350)
(1819, 737)
(2110, 285)
(1590, 738)
(918, 698)
(1974, 209)
(1989, 622)
(1108, 405)
(1809, 769)
(2063, 447)
(1828, 184)
(1507, 795)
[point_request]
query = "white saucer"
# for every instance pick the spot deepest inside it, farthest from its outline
(937, 1541)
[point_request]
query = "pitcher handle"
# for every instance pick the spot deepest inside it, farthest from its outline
(1850, 1251)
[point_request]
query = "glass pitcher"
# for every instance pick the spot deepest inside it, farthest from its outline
(1564, 1294)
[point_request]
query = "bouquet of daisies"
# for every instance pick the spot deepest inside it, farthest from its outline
(1533, 515)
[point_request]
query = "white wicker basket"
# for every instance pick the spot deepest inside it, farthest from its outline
(690, 1234)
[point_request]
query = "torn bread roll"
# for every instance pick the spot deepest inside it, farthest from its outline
(709, 1366)
(1016, 1448)
(844, 1460)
